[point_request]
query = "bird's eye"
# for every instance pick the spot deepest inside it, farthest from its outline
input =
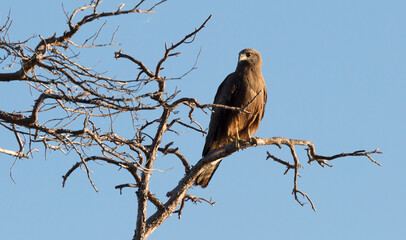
(248, 54)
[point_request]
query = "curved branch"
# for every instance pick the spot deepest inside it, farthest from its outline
(92, 158)
(144, 69)
(62, 40)
(175, 151)
(179, 192)
(173, 46)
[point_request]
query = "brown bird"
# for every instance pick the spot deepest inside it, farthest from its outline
(244, 88)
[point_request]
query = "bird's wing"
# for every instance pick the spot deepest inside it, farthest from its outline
(225, 94)
(265, 93)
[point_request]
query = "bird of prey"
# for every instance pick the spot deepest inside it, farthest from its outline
(244, 88)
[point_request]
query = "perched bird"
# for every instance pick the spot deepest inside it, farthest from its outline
(244, 88)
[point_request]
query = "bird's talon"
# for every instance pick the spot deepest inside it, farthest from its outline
(237, 143)
(253, 140)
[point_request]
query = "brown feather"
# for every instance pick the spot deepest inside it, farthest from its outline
(243, 88)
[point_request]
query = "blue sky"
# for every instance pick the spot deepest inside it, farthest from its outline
(336, 75)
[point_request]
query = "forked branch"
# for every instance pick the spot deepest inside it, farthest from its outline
(312, 156)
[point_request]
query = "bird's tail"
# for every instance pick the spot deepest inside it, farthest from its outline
(203, 178)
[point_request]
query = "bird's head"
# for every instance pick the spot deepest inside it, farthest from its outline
(251, 57)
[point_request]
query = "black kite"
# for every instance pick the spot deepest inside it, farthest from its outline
(243, 88)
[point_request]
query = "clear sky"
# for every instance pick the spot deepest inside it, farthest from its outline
(336, 75)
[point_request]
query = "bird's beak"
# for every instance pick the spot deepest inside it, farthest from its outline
(242, 57)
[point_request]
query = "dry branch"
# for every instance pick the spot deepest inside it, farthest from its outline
(194, 200)
(72, 102)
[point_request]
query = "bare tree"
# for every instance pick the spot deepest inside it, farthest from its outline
(73, 100)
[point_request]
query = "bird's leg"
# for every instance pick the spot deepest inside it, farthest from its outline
(252, 140)
(236, 140)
